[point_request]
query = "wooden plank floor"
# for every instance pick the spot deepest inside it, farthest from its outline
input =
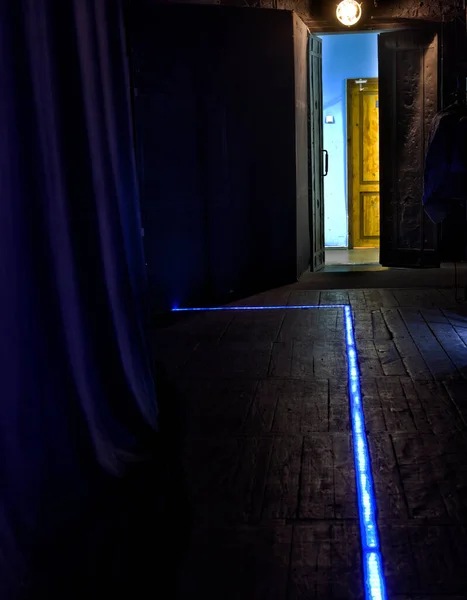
(268, 448)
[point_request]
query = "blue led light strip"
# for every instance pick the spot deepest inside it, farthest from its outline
(375, 586)
(374, 582)
(218, 308)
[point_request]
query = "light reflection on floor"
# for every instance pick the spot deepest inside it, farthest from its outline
(374, 581)
(355, 256)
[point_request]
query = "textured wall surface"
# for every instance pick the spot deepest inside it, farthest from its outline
(408, 72)
(320, 14)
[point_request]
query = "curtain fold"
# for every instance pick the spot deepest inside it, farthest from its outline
(78, 405)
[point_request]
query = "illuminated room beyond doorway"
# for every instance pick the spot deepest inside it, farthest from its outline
(351, 139)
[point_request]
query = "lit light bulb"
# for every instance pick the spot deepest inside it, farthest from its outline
(349, 12)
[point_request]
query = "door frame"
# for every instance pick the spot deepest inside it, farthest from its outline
(388, 26)
(349, 134)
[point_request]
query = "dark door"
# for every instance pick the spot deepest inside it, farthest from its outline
(317, 157)
(408, 101)
(215, 115)
(302, 141)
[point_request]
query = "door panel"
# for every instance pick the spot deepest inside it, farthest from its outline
(216, 155)
(408, 80)
(363, 161)
(302, 134)
(316, 185)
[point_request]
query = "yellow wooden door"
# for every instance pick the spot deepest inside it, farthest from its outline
(363, 162)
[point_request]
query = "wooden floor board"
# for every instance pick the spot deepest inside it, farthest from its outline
(268, 448)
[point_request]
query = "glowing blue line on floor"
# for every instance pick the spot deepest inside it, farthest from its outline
(375, 588)
(374, 582)
(222, 308)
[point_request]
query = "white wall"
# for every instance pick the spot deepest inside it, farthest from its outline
(345, 56)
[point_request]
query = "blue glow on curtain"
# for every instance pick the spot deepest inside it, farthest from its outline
(78, 410)
(374, 581)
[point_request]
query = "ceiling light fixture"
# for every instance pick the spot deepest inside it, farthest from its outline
(349, 12)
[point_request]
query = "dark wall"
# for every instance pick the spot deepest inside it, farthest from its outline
(377, 15)
(215, 134)
(320, 15)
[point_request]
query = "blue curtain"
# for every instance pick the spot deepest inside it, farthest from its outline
(78, 407)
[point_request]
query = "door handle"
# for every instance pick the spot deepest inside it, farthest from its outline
(326, 163)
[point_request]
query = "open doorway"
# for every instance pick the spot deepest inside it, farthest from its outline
(351, 141)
